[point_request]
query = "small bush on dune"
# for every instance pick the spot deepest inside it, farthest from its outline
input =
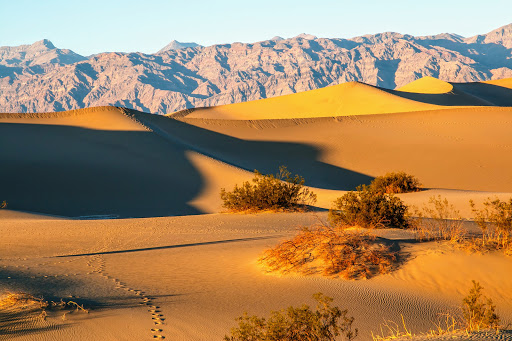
(331, 252)
(3, 204)
(495, 221)
(324, 323)
(269, 192)
(366, 208)
(393, 183)
(438, 220)
(478, 311)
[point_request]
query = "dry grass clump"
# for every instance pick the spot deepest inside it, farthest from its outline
(325, 323)
(393, 183)
(477, 313)
(367, 208)
(24, 301)
(269, 192)
(331, 252)
(11, 300)
(438, 220)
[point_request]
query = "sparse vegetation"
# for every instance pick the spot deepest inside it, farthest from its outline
(438, 220)
(370, 209)
(495, 221)
(3, 204)
(477, 313)
(331, 252)
(393, 183)
(325, 323)
(269, 192)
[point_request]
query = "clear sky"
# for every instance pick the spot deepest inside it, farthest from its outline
(93, 26)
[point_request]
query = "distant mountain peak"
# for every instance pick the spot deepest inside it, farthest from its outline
(277, 38)
(306, 36)
(176, 45)
(44, 43)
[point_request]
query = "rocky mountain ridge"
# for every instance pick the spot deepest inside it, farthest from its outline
(41, 77)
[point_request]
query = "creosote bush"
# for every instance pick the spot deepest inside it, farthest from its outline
(331, 252)
(302, 323)
(269, 192)
(393, 183)
(367, 208)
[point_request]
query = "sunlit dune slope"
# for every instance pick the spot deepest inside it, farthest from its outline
(461, 148)
(427, 85)
(338, 100)
(356, 98)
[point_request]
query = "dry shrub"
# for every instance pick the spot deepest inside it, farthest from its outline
(366, 208)
(495, 221)
(393, 183)
(477, 313)
(302, 323)
(11, 300)
(438, 220)
(331, 252)
(269, 192)
(3, 204)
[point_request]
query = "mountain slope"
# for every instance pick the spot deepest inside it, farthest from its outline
(182, 78)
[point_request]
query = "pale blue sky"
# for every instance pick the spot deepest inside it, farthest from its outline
(92, 26)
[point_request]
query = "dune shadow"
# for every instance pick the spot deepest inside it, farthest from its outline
(72, 171)
(463, 94)
(176, 246)
(265, 156)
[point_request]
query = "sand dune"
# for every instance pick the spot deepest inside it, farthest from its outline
(355, 98)
(180, 269)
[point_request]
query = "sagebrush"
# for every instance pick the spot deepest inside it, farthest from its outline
(393, 183)
(331, 252)
(324, 323)
(369, 209)
(269, 192)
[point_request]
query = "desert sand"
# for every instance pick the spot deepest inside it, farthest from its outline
(120, 211)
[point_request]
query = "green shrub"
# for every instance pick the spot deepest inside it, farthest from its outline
(269, 192)
(478, 311)
(324, 323)
(393, 183)
(366, 208)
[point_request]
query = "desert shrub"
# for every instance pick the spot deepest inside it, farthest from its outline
(392, 183)
(331, 252)
(495, 221)
(438, 220)
(478, 311)
(366, 208)
(269, 192)
(3, 204)
(302, 323)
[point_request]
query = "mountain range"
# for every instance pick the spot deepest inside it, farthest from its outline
(41, 77)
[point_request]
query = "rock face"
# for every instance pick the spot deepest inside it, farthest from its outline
(40, 77)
